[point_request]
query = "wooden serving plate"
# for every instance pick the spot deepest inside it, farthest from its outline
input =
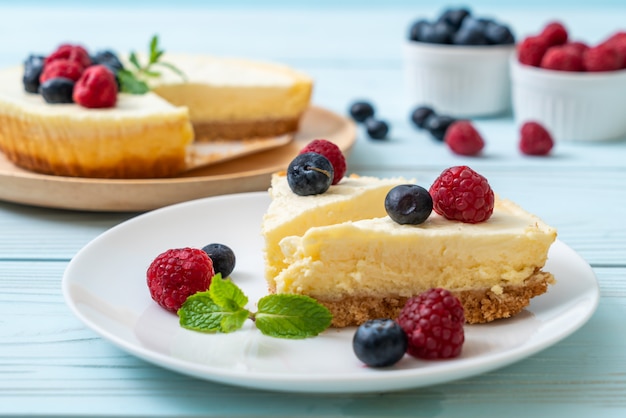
(248, 173)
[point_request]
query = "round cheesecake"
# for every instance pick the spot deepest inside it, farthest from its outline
(148, 135)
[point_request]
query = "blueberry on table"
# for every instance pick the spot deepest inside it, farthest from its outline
(379, 342)
(420, 114)
(376, 129)
(33, 66)
(309, 174)
(361, 111)
(437, 125)
(57, 90)
(408, 204)
(223, 258)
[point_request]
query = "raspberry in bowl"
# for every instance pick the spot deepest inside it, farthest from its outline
(459, 64)
(576, 90)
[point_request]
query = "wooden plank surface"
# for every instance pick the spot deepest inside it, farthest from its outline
(52, 365)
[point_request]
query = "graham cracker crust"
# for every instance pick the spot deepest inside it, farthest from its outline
(480, 305)
(210, 130)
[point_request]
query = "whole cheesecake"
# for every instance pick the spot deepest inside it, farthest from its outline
(364, 268)
(148, 135)
(230, 98)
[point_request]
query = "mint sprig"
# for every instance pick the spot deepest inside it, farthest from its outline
(222, 309)
(133, 82)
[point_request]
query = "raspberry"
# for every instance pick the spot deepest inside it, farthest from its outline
(603, 57)
(460, 193)
(433, 322)
(577, 46)
(618, 41)
(562, 58)
(535, 139)
(554, 33)
(61, 68)
(96, 88)
(332, 152)
(530, 51)
(70, 52)
(463, 139)
(177, 274)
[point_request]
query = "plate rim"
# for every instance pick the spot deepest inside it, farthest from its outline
(401, 379)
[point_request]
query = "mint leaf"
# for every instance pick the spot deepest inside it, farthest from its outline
(132, 81)
(226, 294)
(201, 313)
(291, 316)
(130, 84)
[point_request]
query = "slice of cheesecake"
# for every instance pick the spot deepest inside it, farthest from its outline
(364, 269)
(353, 198)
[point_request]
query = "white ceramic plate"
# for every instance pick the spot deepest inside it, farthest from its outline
(105, 286)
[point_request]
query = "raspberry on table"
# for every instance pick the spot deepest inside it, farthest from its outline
(61, 68)
(461, 194)
(463, 139)
(433, 322)
(96, 88)
(535, 139)
(332, 152)
(178, 273)
(562, 58)
(531, 50)
(603, 57)
(554, 33)
(71, 52)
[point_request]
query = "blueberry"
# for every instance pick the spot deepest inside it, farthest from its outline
(109, 59)
(436, 33)
(475, 23)
(309, 173)
(379, 342)
(470, 36)
(498, 34)
(454, 17)
(416, 28)
(420, 114)
(408, 204)
(33, 66)
(57, 90)
(437, 125)
(223, 258)
(361, 111)
(376, 129)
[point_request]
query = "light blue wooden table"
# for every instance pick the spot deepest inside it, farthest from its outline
(52, 365)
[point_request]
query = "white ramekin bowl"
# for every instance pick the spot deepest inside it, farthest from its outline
(461, 81)
(572, 106)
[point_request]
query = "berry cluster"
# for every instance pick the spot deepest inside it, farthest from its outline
(178, 273)
(317, 166)
(460, 27)
(458, 193)
(462, 137)
(70, 75)
(553, 50)
(430, 326)
(363, 112)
